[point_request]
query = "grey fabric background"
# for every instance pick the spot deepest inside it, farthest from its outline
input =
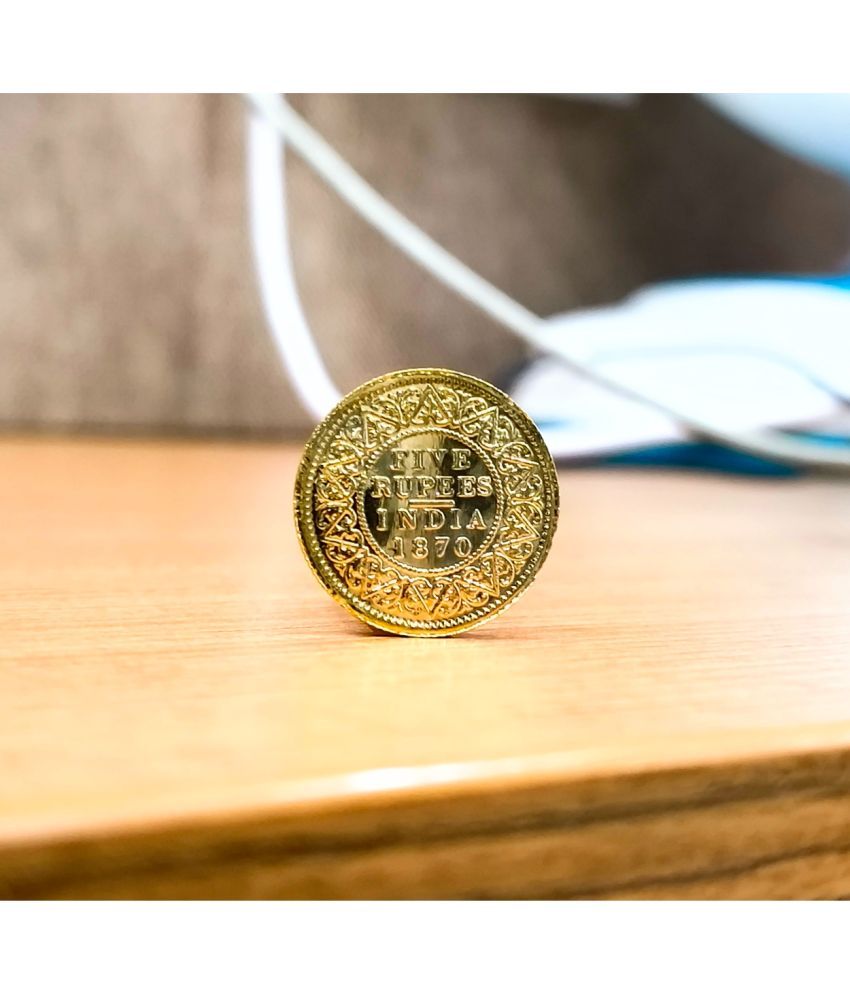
(127, 292)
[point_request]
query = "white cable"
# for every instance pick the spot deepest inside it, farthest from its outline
(270, 240)
(431, 256)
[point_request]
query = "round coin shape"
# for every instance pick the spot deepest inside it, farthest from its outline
(426, 502)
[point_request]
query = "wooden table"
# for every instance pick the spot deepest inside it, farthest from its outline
(184, 713)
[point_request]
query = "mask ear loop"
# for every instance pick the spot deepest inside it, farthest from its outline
(275, 123)
(266, 160)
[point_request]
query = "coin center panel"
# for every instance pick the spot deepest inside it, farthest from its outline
(430, 501)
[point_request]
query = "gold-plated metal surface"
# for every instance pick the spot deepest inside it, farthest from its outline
(425, 502)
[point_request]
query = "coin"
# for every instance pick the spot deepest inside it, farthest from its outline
(425, 502)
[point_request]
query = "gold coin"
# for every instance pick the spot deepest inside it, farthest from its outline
(425, 502)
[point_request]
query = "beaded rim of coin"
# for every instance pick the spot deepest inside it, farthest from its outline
(502, 513)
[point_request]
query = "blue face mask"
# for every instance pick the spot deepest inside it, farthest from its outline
(741, 354)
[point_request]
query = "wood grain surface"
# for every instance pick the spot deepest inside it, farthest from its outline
(184, 713)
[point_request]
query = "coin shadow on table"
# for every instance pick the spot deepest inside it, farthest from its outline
(483, 632)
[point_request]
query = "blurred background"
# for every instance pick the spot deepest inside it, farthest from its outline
(128, 296)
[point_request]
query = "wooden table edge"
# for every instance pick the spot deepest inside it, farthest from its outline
(336, 825)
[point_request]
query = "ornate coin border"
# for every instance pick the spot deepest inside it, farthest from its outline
(330, 429)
